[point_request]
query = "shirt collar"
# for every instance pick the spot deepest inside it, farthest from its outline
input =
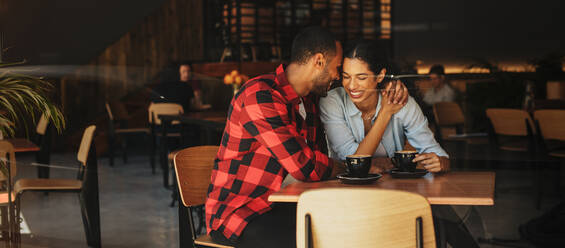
(284, 87)
(353, 110)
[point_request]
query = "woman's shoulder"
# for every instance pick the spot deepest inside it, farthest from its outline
(409, 108)
(335, 96)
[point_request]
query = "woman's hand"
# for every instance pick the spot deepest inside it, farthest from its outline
(380, 164)
(394, 97)
(432, 162)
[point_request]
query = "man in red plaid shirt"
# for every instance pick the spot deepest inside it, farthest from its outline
(270, 133)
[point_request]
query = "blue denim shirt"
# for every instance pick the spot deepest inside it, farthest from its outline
(344, 127)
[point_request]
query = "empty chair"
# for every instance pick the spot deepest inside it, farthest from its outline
(193, 168)
(449, 119)
(86, 185)
(43, 140)
(9, 224)
(551, 127)
(154, 110)
(118, 128)
(513, 129)
(513, 132)
(358, 217)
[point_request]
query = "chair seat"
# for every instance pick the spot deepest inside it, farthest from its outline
(518, 146)
(470, 140)
(41, 184)
(133, 130)
(514, 148)
(207, 241)
(560, 154)
(169, 134)
(4, 197)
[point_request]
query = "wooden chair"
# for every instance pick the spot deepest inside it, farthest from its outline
(193, 168)
(44, 131)
(512, 132)
(551, 125)
(551, 128)
(119, 118)
(450, 120)
(10, 221)
(513, 129)
(86, 185)
(360, 218)
(154, 110)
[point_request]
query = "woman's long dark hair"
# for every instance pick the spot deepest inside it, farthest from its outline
(369, 52)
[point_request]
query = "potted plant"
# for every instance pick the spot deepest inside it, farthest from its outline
(23, 98)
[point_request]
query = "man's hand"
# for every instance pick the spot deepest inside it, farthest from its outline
(397, 93)
(338, 168)
(432, 162)
(380, 164)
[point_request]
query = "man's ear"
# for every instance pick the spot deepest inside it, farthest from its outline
(319, 61)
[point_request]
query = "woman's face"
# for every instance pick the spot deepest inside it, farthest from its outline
(358, 81)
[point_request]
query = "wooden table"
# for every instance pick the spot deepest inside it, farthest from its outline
(453, 188)
(23, 145)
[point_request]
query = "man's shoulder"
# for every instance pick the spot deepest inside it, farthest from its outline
(262, 82)
(408, 110)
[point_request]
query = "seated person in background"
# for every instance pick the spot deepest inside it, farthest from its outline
(187, 76)
(171, 90)
(440, 90)
(362, 119)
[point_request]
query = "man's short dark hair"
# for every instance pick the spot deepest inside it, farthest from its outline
(437, 69)
(310, 41)
(185, 62)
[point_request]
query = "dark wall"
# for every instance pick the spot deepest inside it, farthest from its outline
(68, 31)
(497, 30)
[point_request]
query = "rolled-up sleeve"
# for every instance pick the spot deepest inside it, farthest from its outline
(265, 117)
(340, 138)
(416, 129)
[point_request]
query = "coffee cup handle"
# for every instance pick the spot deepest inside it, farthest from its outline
(393, 160)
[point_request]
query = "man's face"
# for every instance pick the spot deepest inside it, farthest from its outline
(322, 81)
(184, 72)
(436, 80)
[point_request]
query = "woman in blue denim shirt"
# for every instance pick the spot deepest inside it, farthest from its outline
(361, 119)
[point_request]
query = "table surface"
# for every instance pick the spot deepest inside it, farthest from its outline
(453, 188)
(23, 145)
(215, 119)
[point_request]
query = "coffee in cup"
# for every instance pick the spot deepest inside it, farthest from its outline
(358, 165)
(402, 160)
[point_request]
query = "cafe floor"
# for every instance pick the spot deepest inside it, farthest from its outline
(135, 212)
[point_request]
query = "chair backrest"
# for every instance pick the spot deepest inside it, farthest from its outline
(551, 123)
(7, 153)
(448, 114)
(358, 217)
(109, 111)
(85, 143)
(510, 121)
(42, 125)
(156, 109)
(193, 167)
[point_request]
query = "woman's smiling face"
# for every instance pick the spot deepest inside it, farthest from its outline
(358, 81)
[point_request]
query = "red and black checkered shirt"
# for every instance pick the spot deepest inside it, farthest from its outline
(265, 139)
